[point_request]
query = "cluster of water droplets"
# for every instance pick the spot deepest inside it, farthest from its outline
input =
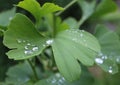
(56, 80)
(28, 48)
(101, 58)
(48, 42)
(79, 36)
(106, 62)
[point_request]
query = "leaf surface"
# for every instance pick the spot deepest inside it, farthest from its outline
(23, 38)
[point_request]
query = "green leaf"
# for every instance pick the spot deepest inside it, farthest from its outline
(23, 38)
(72, 45)
(105, 7)
(36, 10)
(20, 74)
(110, 44)
(6, 16)
(60, 26)
(32, 6)
(49, 8)
(72, 23)
(58, 79)
(87, 9)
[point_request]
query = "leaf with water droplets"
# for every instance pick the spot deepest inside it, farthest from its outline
(110, 51)
(23, 38)
(72, 45)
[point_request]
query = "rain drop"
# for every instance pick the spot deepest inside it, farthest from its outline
(118, 60)
(99, 61)
(27, 52)
(110, 69)
(58, 75)
(10, 18)
(49, 42)
(81, 35)
(19, 41)
(35, 48)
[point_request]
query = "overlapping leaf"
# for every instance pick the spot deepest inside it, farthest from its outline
(110, 44)
(23, 38)
(20, 74)
(58, 79)
(105, 7)
(87, 9)
(36, 10)
(72, 45)
(6, 16)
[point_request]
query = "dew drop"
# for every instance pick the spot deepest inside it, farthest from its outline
(35, 48)
(82, 31)
(19, 41)
(10, 18)
(118, 60)
(28, 44)
(27, 52)
(81, 35)
(26, 47)
(58, 75)
(53, 81)
(99, 61)
(110, 69)
(49, 42)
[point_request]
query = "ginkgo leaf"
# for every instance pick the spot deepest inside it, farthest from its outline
(23, 38)
(110, 49)
(38, 11)
(72, 45)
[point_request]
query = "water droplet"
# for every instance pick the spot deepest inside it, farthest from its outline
(19, 41)
(118, 60)
(53, 80)
(28, 44)
(49, 42)
(27, 52)
(99, 61)
(81, 35)
(58, 75)
(10, 18)
(35, 48)
(82, 31)
(110, 69)
(26, 47)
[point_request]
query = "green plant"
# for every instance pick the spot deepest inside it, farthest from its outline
(53, 51)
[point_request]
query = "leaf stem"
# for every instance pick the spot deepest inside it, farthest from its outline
(66, 7)
(81, 21)
(33, 68)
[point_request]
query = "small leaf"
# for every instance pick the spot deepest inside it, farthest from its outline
(23, 38)
(87, 9)
(32, 6)
(110, 44)
(58, 79)
(49, 8)
(105, 7)
(20, 74)
(6, 16)
(71, 22)
(36, 10)
(72, 45)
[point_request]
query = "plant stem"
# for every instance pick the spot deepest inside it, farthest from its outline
(33, 68)
(81, 21)
(66, 7)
